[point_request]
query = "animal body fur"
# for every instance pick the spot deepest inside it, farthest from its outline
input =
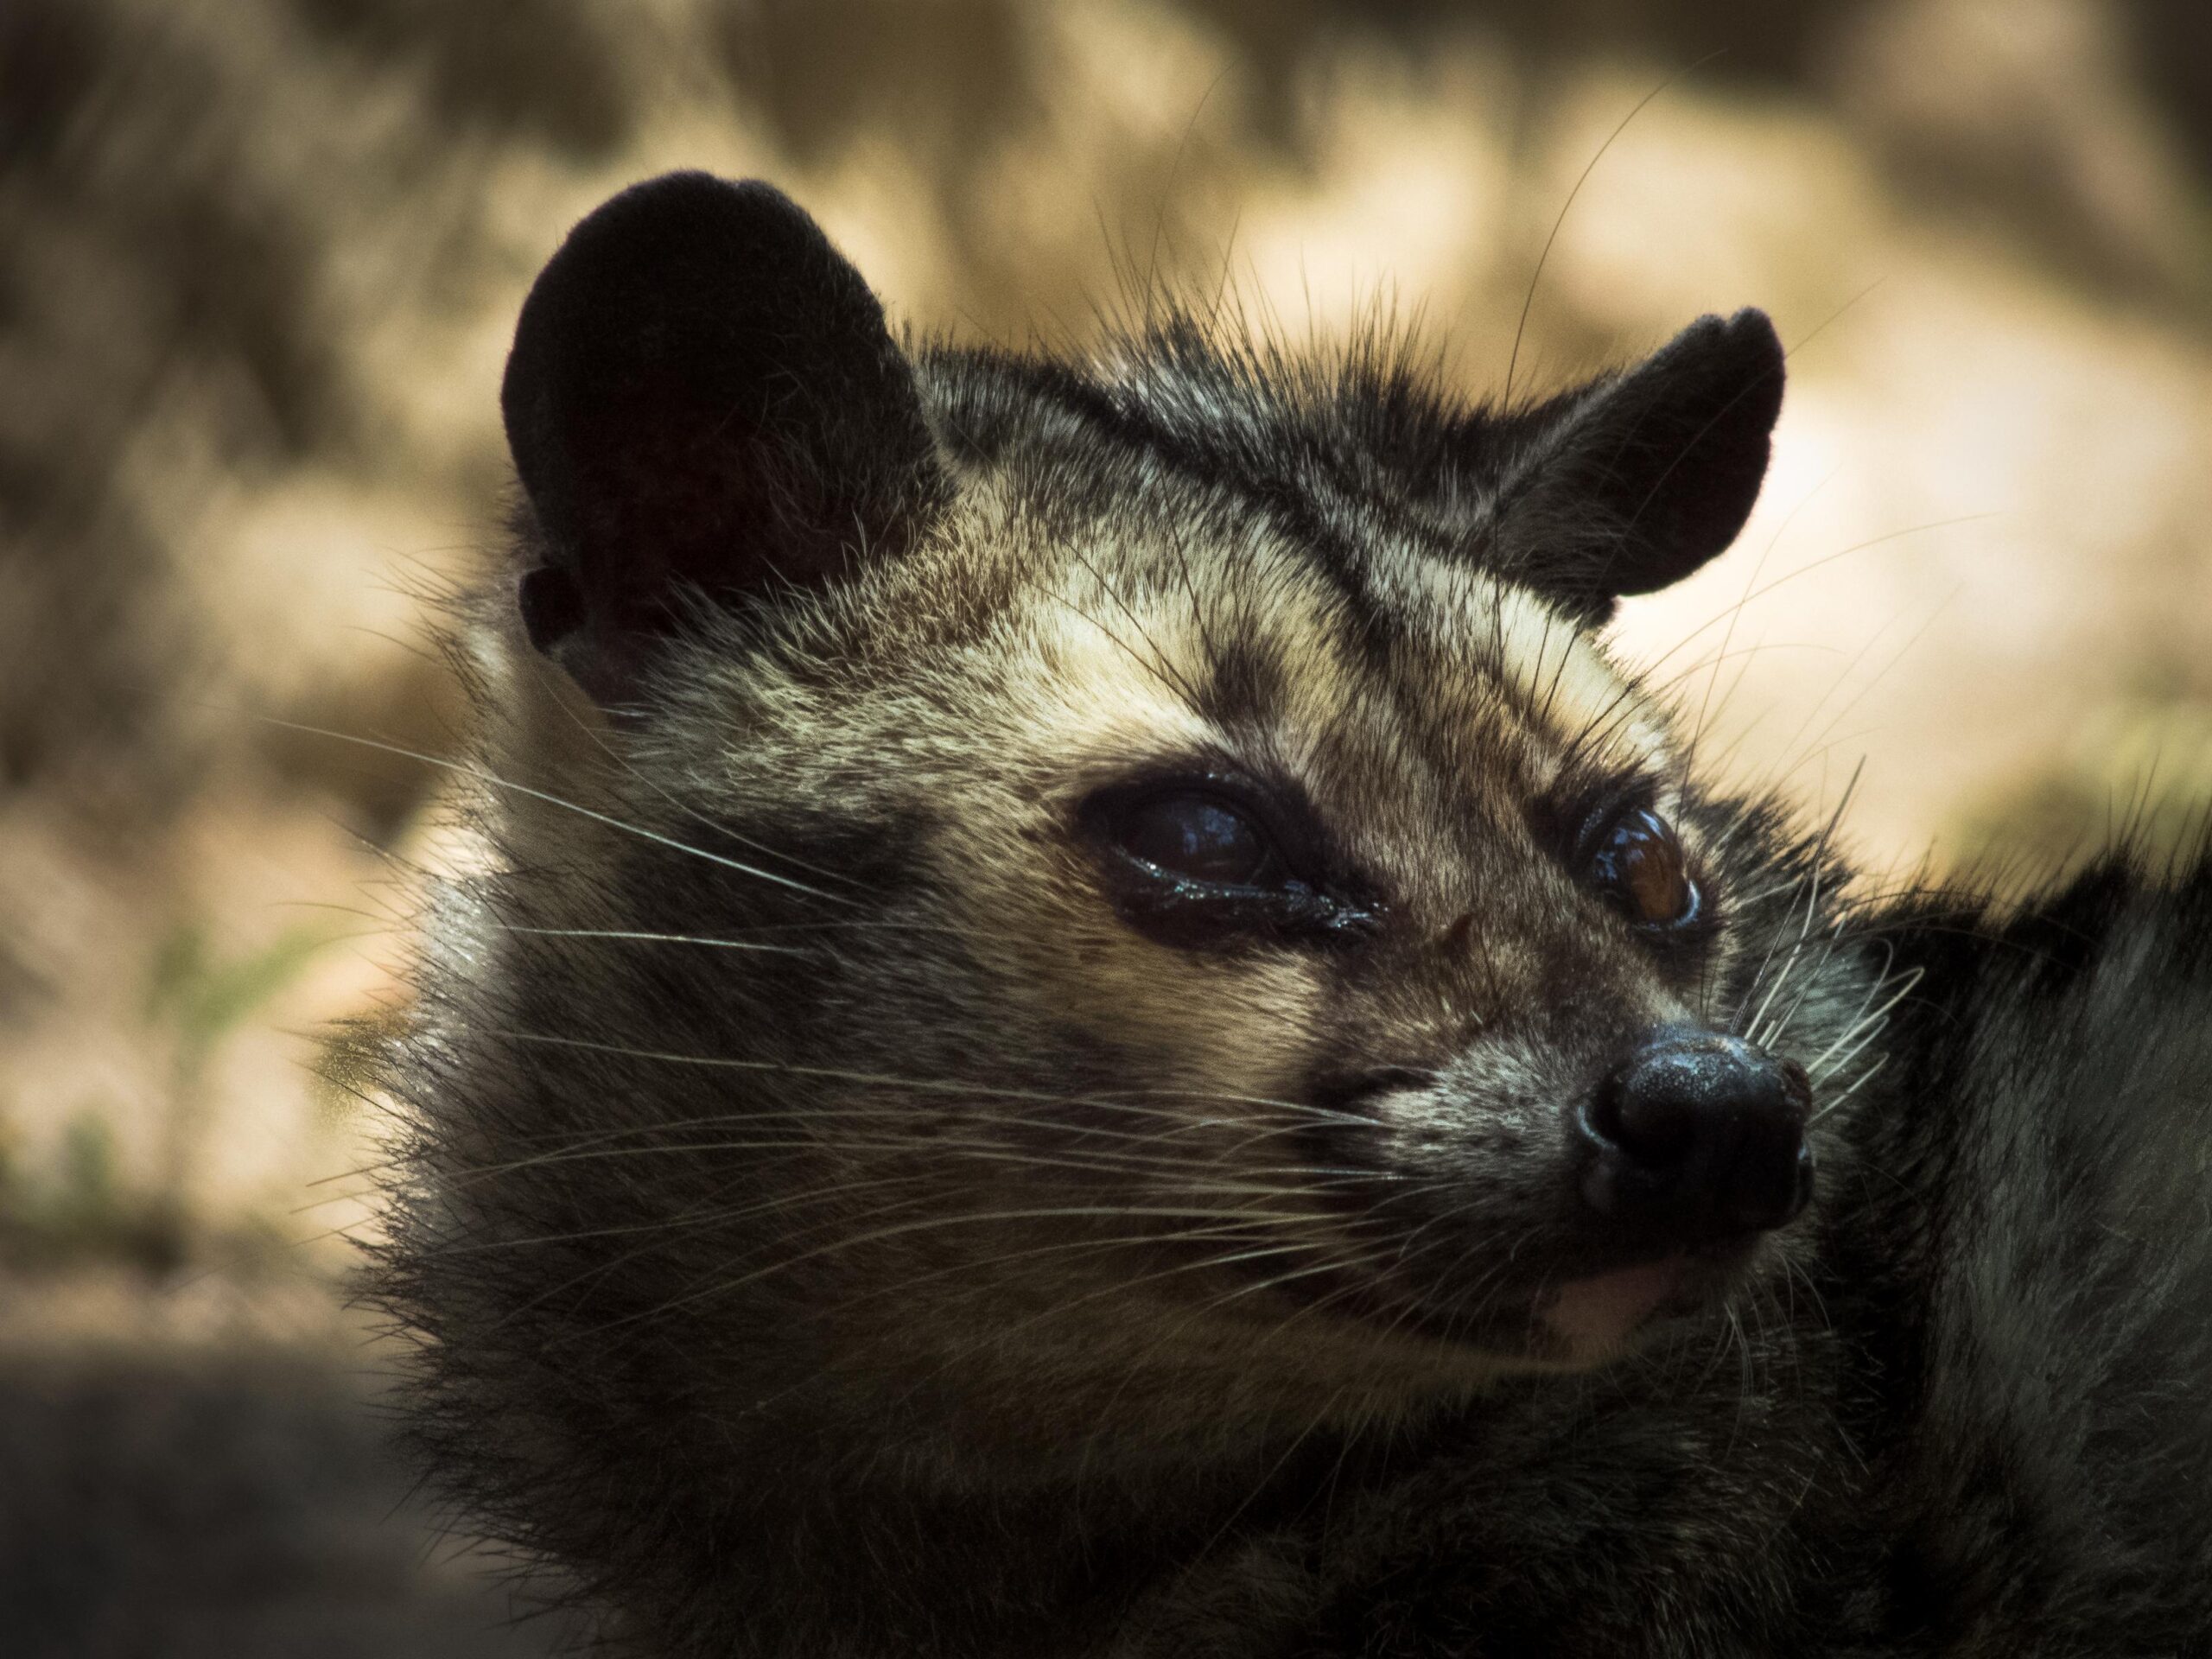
(850, 1213)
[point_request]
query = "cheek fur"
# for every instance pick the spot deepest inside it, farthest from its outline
(1230, 1024)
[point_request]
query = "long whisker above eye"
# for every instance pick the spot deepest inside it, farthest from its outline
(547, 671)
(636, 937)
(482, 776)
(812, 928)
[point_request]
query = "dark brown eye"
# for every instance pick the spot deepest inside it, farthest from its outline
(1639, 865)
(1200, 838)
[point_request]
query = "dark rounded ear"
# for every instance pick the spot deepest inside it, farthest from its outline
(703, 400)
(1631, 484)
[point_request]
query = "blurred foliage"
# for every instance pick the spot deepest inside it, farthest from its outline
(201, 1000)
(2139, 777)
(258, 259)
(202, 205)
(196, 1001)
(80, 1209)
(551, 73)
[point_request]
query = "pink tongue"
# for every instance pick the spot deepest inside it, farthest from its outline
(1598, 1313)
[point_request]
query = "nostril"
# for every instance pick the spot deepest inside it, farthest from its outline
(1796, 1087)
(1654, 1126)
(1769, 1178)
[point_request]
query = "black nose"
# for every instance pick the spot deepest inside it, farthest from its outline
(1695, 1137)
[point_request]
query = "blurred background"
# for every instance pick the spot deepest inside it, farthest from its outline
(259, 260)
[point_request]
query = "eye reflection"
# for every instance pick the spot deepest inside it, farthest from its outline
(1640, 866)
(1199, 837)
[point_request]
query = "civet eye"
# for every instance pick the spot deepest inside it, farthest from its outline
(1199, 838)
(1224, 863)
(1638, 865)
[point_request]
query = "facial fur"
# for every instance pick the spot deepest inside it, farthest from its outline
(810, 1067)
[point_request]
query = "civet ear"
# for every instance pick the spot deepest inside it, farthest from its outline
(1631, 483)
(702, 402)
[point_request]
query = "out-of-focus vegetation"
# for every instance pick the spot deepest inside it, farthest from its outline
(258, 260)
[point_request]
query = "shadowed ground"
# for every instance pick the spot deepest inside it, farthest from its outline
(223, 1506)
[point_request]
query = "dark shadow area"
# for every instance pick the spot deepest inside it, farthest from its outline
(197, 1508)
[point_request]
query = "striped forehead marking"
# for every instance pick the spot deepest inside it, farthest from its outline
(1183, 627)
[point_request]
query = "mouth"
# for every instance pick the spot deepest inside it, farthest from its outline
(1599, 1312)
(1589, 1320)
